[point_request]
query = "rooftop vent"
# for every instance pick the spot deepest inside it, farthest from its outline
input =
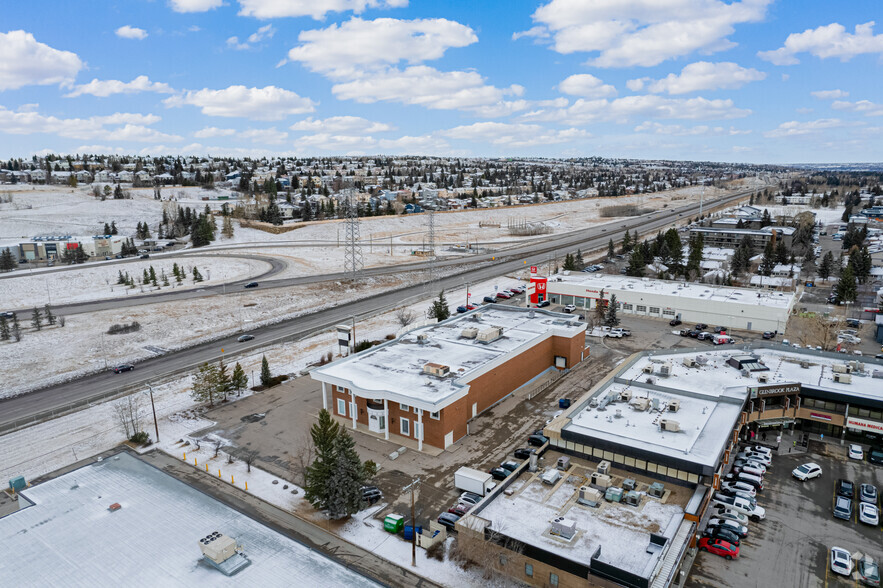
(469, 332)
(843, 378)
(422, 338)
(640, 403)
(669, 425)
(673, 405)
(436, 369)
(625, 395)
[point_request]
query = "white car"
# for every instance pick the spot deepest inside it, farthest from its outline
(807, 471)
(759, 449)
(760, 458)
(868, 514)
(740, 488)
(569, 308)
(841, 561)
(731, 515)
(856, 452)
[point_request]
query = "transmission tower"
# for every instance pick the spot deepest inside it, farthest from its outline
(352, 256)
(430, 219)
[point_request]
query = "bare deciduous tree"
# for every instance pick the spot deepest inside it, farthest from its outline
(128, 413)
(217, 445)
(405, 316)
(249, 458)
(817, 330)
(302, 458)
(489, 551)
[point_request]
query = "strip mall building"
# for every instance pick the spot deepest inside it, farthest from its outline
(429, 383)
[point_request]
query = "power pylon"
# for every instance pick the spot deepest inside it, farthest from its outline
(352, 256)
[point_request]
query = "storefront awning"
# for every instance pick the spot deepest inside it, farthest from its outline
(763, 423)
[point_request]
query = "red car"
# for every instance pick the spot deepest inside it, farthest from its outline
(719, 547)
(503, 295)
(472, 306)
(459, 510)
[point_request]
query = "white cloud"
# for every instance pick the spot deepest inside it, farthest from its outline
(271, 136)
(99, 150)
(24, 61)
(428, 87)
(341, 50)
(799, 128)
(353, 125)
(104, 88)
(127, 32)
(621, 110)
(830, 94)
(265, 32)
(702, 75)
(417, 145)
(865, 107)
(514, 135)
(268, 103)
(336, 143)
(679, 130)
(586, 86)
(233, 43)
(209, 132)
(827, 41)
(315, 8)
(642, 32)
(127, 126)
(194, 5)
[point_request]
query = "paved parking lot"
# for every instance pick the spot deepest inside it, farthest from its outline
(790, 547)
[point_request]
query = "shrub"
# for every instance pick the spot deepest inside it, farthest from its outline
(124, 328)
(141, 438)
(437, 551)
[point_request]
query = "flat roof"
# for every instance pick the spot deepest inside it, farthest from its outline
(394, 370)
(620, 530)
(688, 290)
(68, 537)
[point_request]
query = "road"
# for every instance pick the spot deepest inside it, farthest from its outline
(99, 385)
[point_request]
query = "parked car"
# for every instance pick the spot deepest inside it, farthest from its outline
(807, 471)
(742, 487)
(510, 466)
(740, 530)
(569, 308)
(244, 338)
(504, 295)
(719, 547)
(462, 309)
(448, 520)
(459, 510)
(867, 493)
(517, 290)
(755, 481)
(537, 440)
(856, 451)
(543, 304)
(524, 452)
(844, 488)
(722, 533)
(473, 305)
(126, 367)
(8, 314)
(875, 455)
(371, 494)
(674, 322)
(759, 449)
(842, 508)
(841, 561)
(470, 497)
(251, 285)
(768, 335)
(855, 323)
(144, 256)
(868, 514)
(761, 458)
(731, 515)
(733, 492)
(752, 467)
(868, 571)
(499, 473)
(700, 326)
(490, 299)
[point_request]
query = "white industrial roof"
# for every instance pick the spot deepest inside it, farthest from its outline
(70, 538)
(687, 290)
(394, 370)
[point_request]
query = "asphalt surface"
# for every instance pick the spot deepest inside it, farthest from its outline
(44, 401)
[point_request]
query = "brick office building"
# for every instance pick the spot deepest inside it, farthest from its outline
(429, 383)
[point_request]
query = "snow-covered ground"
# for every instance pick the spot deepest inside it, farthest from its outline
(97, 282)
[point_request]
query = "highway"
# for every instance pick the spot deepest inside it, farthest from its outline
(153, 370)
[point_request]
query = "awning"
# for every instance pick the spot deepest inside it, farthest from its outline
(763, 423)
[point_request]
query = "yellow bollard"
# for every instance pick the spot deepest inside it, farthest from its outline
(206, 468)
(194, 462)
(246, 486)
(232, 481)
(185, 456)
(219, 473)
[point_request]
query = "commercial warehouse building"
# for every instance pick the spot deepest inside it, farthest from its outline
(52, 248)
(735, 308)
(427, 384)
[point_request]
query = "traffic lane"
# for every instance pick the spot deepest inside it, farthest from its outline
(790, 547)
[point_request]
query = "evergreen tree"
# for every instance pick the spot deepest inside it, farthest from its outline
(50, 318)
(675, 248)
(16, 328)
(113, 228)
(318, 473)
(578, 260)
(846, 288)
(37, 319)
(694, 257)
(224, 381)
(152, 273)
(7, 261)
(569, 264)
(611, 320)
(626, 243)
(307, 210)
(600, 308)
(781, 252)
(145, 278)
(765, 219)
(343, 495)
(827, 266)
(636, 264)
(611, 252)
(4, 329)
(80, 254)
(120, 279)
(439, 309)
(266, 376)
(238, 381)
(205, 384)
(106, 229)
(768, 261)
(197, 277)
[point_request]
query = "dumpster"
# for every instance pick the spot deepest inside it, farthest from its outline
(393, 523)
(409, 533)
(18, 484)
(564, 403)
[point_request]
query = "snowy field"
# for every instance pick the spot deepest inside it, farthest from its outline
(97, 282)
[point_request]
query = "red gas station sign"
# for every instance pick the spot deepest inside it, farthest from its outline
(533, 269)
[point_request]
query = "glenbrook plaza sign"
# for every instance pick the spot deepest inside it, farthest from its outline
(774, 390)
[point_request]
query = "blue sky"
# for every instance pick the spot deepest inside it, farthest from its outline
(752, 80)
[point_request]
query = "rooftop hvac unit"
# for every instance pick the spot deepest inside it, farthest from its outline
(657, 489)
(593, 403)
(673, 405)
(839, 368)
(665, 369)
(564, 528)
(647, 369)
(469, 333)
(625, 395)
(604, 467)
(629, 484)
(640, 403)
(422, 338)
(804, 365)
(763, 378)
(654, 402)
(618, 413)
(613, 495)
(217, 547)
(436, 369)
(632, 498)
(563, 463)
(669, 425)
(877, 374)
(476, 316)
(589, 494)
(843, 378)
(853, 365)
(489, 334)
(860, 367)
(689, 362)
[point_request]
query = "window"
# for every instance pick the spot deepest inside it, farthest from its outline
(418, 410)
(553, 579)
(528, 570)
(436, 415)
(641, 308)
(404, 407)
(654, 310)
(627, 307)
(405, 427)
(353, 410)
(668, 312)
(341, 407)
(418, 430)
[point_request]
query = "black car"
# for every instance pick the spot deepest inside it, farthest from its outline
(768, 335)
(543, 304)
(524, 452)
(126, 367)
(244, 338)
(854, 323)
(145, 256)
(844, 488)
(719, 330)
(722, 533)
(490, 299)
(700, 327)
(674, 322)
(694, 333)
(371, 494)
(875, 455)
(251, 285)
(537, 440)
(462, 309)
(499, 473)
(510, 465)
(8, 314)
(448, 520)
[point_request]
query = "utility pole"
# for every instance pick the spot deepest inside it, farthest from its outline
(411, 487)
(153, 406)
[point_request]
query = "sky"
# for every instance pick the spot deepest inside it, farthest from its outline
(762, 81)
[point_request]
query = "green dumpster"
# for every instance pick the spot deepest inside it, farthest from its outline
(393, 523)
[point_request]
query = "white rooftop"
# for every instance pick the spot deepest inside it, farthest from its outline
(70, 538)
(690, 290)
(394, 370)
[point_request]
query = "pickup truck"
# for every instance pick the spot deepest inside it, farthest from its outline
(740, 504)
(616, 333)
